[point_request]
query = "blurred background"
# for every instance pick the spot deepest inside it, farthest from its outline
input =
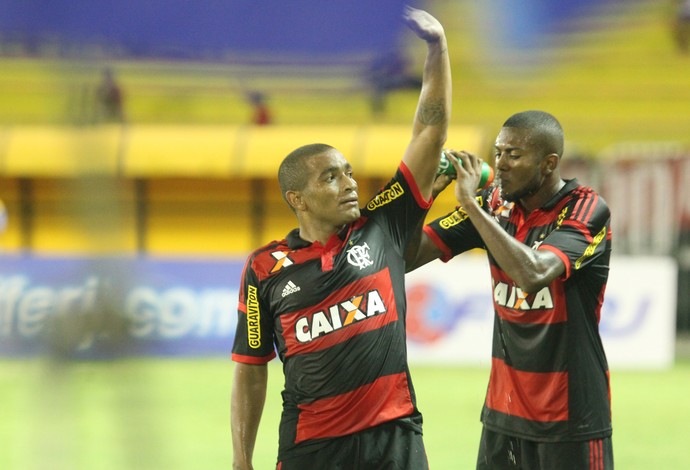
(139, 147)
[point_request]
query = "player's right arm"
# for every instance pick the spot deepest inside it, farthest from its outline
(247, 404)
(251, 351)
(420, 249)
(434, 107)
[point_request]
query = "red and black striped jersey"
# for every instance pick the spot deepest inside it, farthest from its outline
(549, 375)
(335, 315)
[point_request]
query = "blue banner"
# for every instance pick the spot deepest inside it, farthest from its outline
(101, 308)
(204, 29)
(89, 308)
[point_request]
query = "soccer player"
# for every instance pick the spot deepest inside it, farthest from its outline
(330, 298)
(548, 242)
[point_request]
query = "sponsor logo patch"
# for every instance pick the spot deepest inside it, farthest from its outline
(513, 297)
(282, 260)
(290, 288)
(453, 219)
(456, 217)
(253, 318)
(384, 197)
(589, 251)
(338, 316)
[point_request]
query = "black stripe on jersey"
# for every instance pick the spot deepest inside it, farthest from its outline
(547, 344)
(521, 427)
(548, 431)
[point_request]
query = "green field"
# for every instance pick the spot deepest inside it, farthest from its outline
(154, 414)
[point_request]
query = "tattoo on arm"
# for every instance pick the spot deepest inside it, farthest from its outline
(431, 112)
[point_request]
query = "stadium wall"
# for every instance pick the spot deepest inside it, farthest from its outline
(172, 190)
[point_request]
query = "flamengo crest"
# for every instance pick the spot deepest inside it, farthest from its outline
(358, 256)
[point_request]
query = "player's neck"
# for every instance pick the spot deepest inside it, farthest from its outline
(548, 190)
(319, 234)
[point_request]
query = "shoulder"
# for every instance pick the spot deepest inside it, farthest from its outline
(267, 259)
(401, 190)
(584, 205)
(585, 199)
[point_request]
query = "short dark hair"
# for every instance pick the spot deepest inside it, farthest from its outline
(547, 133)
(291, 174)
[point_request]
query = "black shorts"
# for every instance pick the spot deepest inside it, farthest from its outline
(499, 451)
(389, 446)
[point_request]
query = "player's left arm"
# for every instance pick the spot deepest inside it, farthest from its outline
(430, 128)
(530, 269)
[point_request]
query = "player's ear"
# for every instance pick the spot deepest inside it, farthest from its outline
(550, 163)
(295, 199)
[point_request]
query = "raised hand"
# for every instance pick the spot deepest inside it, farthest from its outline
(469, 171)
(423, 24)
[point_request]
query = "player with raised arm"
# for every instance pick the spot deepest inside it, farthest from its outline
(330, 299)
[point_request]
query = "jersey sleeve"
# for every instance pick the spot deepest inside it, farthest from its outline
(399, 206)
(454, 232)
(254, 335)
(583, 231)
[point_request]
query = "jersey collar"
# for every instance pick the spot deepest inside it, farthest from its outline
(567, 188)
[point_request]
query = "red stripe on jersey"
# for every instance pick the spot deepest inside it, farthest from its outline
(600, 302)
(276, 256)
(253, 359)
(581, 199)
(365, 305)
(385, 399)
(580, 227)
(535, 396)
(562, 256)
(584, 208)
(332, 247)
(593, 200)
(537, 218)
(433, 236)
(409, 177)
(512, 304)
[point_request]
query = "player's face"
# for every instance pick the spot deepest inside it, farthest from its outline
(518, 164)
(331, 191)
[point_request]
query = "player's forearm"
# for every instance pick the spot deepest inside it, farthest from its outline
(531, 270)
(431, 119)
(248, 398)
(434, 106)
